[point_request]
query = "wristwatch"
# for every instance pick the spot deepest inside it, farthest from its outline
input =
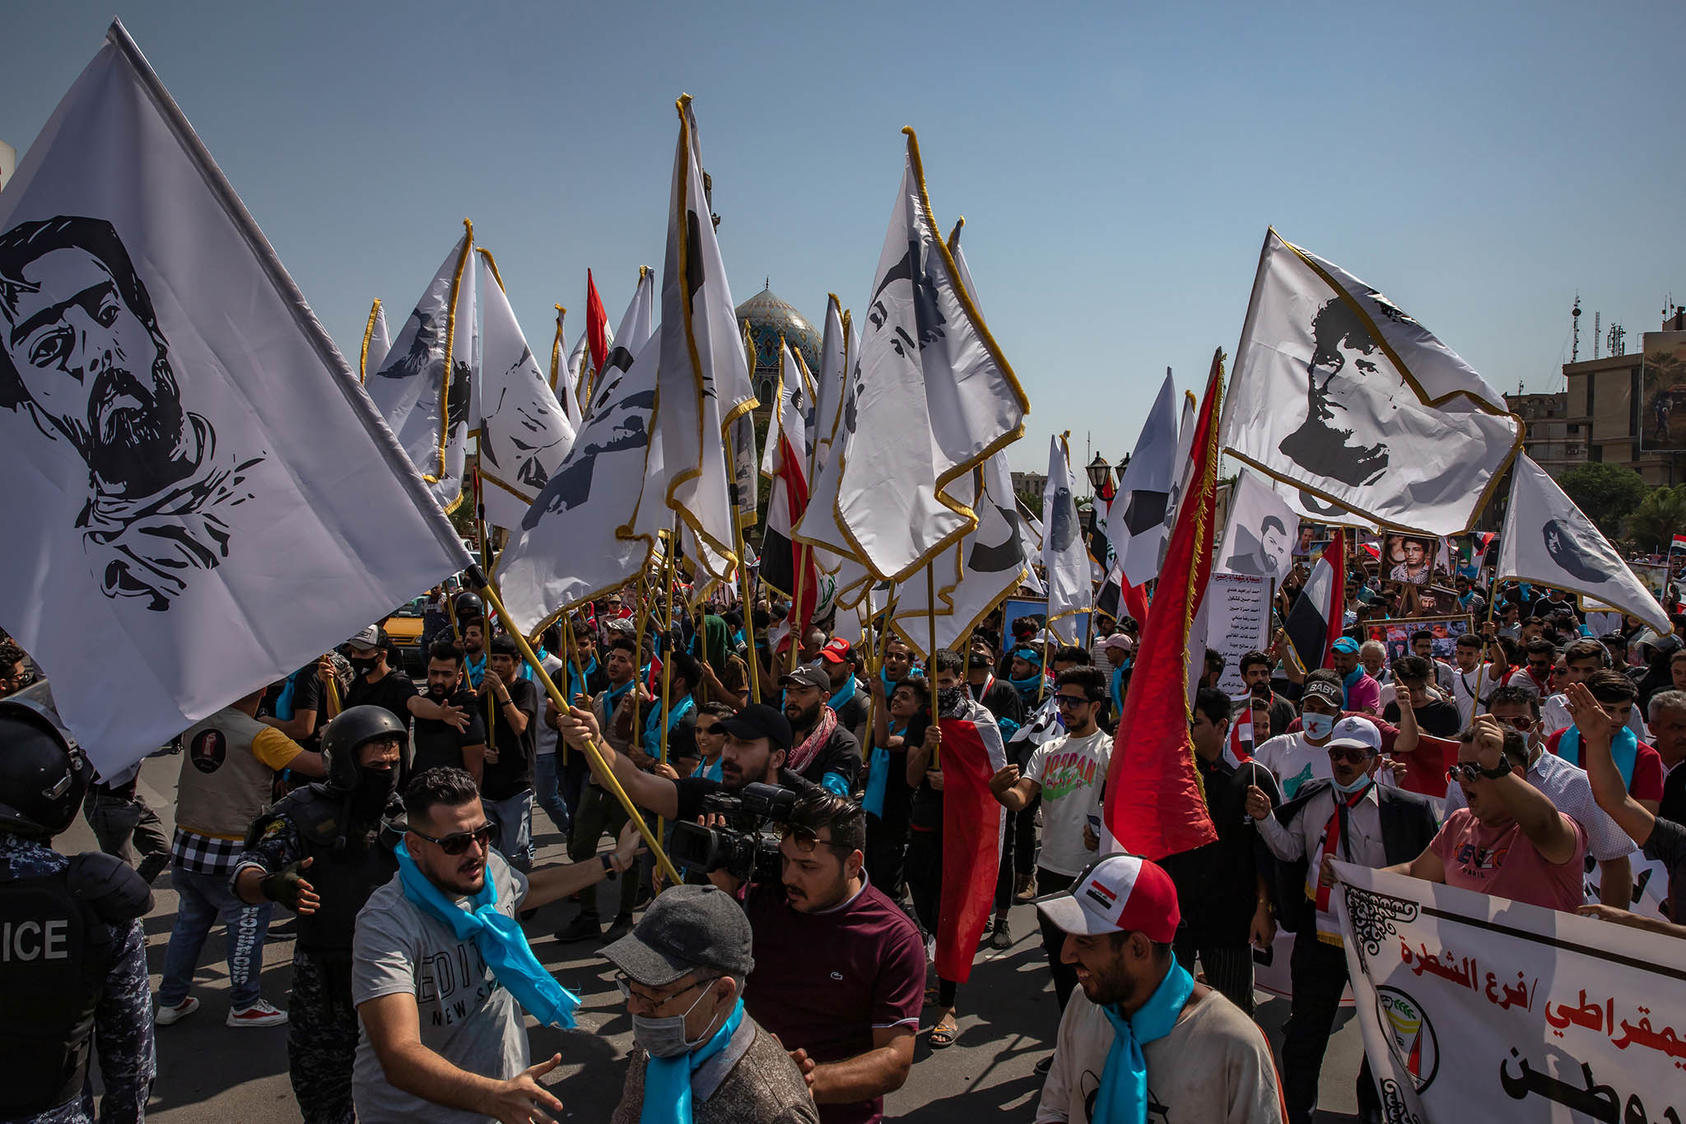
(1504, 770)
(609, 871)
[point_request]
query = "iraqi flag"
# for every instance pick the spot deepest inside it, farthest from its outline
(1314, 621)
(971, 753)
(185, 446)
(1154, 806)
(782, 557)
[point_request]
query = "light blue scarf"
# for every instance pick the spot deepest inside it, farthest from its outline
(667, 1081)
(843, 694)
(499, 938)
(712, 772)
(1123, 1091)
(577, 680)
(878, 777)
(652, 731)
(1348, 682)
(476, 671)
(1624, 747)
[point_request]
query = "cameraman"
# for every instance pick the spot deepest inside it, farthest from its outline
(757, 739)
(839, 968)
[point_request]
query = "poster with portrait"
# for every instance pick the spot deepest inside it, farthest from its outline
(1409, 559)
(1662, 383)
(1396, 634)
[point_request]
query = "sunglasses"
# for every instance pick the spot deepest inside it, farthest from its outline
(457, 843)
(1349, 755)
(1467, 771)
(1520, 722)
(1070, 700)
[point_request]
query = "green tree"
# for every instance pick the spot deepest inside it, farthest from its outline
(1607, 493)
(1658, 517)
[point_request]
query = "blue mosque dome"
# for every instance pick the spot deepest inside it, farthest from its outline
(768, 318)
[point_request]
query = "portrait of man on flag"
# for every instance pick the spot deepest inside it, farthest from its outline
(84, 357)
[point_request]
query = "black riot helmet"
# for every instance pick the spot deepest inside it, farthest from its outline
(468, 607)
(43, 774)
(348, 732)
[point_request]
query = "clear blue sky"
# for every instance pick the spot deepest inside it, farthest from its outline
(1117, 167)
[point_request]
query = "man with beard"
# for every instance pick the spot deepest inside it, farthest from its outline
(376, 683)
(839, 970)
(82, 354)
(458, 737)
(838, 660)
(441, 972)
(511, 705)
(822, 750)
(320, 853)
(1144, 1040)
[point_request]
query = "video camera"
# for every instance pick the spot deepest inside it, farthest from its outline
(748, 846)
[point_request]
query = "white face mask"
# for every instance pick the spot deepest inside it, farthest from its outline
(1317, 725)
(665, 1037)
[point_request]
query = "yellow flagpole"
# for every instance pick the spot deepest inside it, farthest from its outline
(931, 652)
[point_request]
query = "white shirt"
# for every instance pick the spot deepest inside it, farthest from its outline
(1293, 761)
(1303, 838)
(1522, 678)
(1070, 770)
(1215, 1067)
(1571, 791)
(1464, 687)
(1554, 716)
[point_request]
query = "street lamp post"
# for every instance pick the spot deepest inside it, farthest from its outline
(1100, 474)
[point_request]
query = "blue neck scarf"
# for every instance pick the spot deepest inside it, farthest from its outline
(1624, 747)
(1123, 1091)
(577, 679)
(667, 1081)
(498, 937)
(843, 694)
(878, 777)
(1347, 683)
(712, 772)
(476, 671)
(1028, 687)
(653, 725)
(526, 671)
(612, 697)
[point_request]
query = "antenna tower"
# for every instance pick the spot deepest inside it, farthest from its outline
(1575, 339)
(1597, 319)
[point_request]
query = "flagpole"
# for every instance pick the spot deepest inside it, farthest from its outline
(1481, 667)
(796, 625)
(368, 331)
(667, 665)
(598, 765)
(753, 663)
(1042, 683)
(571, 647)
(931, 656)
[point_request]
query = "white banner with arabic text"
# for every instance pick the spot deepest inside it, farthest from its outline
(1480, 1008)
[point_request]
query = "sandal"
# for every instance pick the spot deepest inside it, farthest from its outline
(944, 1034)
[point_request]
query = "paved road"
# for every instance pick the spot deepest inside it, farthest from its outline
(1008, 1015)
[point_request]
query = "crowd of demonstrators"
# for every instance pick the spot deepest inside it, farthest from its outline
(395, 818)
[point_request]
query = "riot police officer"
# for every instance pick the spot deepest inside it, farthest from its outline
(72, 953)
(321, 852)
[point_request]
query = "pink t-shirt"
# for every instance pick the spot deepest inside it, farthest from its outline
(1502, 861)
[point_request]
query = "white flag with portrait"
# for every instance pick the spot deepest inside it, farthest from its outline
(1259, 538)
(524, 434)
(933, 397)
(1547, 541)
(579, 539)
(1065, 560)
(704, 372)
(1138, 522)
(377, 341)
(429, 409)
(1339, 391)
(201, 498)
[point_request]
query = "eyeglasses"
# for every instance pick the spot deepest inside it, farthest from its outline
(624, 982)
(457, 842)
(1519, 722)
(1063, 701)
(1468, 771)
(1349, 754)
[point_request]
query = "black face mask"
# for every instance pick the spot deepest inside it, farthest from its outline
(948, 699)
(366, 665)
(374, 789)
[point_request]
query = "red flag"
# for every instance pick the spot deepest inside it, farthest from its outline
(1134, 601)
(1154, 806)
(971, 753)
(1427, 765)
(596, 324)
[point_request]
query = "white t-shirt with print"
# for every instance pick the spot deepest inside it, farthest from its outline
(1070, 770)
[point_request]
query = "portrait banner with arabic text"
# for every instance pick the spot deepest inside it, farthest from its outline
(1480, 1008)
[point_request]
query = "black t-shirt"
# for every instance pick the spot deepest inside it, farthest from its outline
(1217, 884)
(1439, 719)
(393, 691)
(513, 770)
(852, 714)
(436, 743)
(841, 754)
(1667, 845)
(1673, 806)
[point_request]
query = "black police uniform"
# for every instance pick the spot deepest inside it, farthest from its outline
(72, 953)
(351, 861)
(352, 854)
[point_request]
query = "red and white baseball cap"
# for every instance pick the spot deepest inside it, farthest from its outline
(1120, 893)
(837, 651)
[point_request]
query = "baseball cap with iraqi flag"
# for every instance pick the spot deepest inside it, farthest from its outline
(1120, 893)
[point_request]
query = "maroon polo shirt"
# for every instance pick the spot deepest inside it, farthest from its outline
(824, 981)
